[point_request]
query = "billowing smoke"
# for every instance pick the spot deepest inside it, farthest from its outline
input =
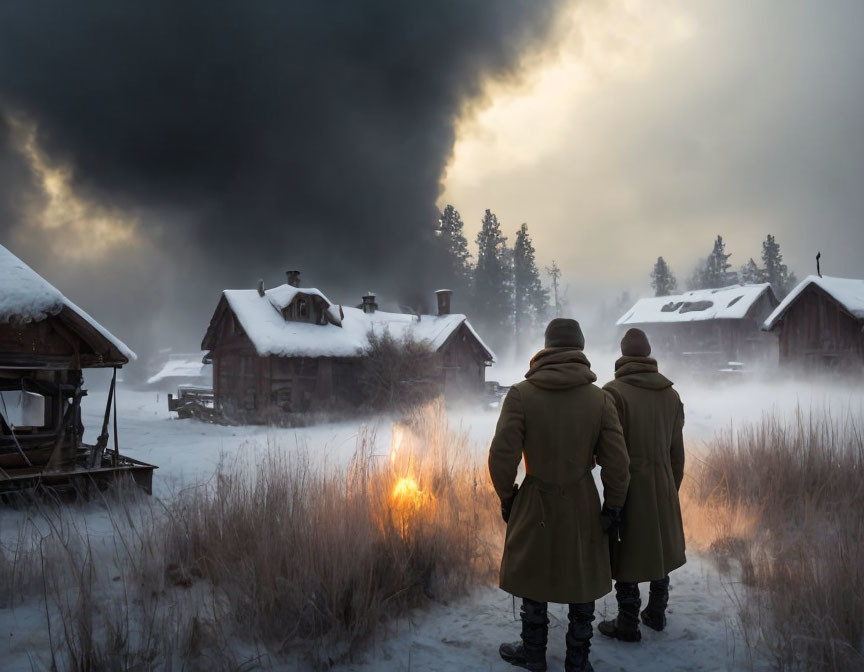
(239, 139)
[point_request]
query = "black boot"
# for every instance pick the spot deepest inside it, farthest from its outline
(626, 626)
(654, 615)
(578, 637)
(530, 653)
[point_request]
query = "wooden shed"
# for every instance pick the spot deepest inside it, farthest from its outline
(708, 329)
(289, 350)
(820, 325)
(46, 341)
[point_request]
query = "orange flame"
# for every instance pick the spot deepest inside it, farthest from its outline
(407, 493)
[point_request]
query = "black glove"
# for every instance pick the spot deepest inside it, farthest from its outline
(507, 504)
(610, 521)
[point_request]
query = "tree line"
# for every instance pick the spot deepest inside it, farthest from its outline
(716, 271)
(502, 288)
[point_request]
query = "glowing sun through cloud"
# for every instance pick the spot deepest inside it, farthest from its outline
(77, 227)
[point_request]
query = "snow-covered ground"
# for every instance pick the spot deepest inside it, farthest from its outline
(463, 635)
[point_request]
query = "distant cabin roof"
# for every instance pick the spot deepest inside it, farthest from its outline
(848, 292)
(25, 296)
(183, 365)
(726, 303)
(271, 334)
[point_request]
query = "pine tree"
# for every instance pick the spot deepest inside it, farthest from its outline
(530, 299)
(751, 274)
(662, 279)
(492, 279)
(716, 271)
(776, 272)
(454, 247)
(557, 304)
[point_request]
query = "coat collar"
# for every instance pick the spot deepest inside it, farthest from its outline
(559, 369)
(641, 372)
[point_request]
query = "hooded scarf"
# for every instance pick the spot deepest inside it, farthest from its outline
(560, 369)
(641, 372)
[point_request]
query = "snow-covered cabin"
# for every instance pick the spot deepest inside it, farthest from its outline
(708, 328)
(45, 342)
(290, 349)
(820, 324)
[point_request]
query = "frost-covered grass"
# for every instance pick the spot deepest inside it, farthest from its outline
(267, 561)
(782, 502)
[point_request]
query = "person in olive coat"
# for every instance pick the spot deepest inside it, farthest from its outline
(556, 548)
(652, 535)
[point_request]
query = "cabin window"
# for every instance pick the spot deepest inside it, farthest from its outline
(303, 308)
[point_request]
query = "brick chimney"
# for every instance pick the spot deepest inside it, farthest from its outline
(369, 305)
(293, 278)
(443, 296)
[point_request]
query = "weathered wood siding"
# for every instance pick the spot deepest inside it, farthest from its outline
(62, 341)
(463, 365)
(818, 333)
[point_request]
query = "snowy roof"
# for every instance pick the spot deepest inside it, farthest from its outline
(26, 296)
(726, 303)
(848, 292)
(272, 334)
(189, 365)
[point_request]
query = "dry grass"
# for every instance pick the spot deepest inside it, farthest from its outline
(783, 502)
(273, 561)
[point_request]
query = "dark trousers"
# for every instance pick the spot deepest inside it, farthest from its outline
(629, 600)
(535, 623)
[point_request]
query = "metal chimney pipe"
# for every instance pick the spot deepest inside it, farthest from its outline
(261, 287)
(443, 296)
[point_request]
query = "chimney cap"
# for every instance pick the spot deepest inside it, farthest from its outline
(443, 296)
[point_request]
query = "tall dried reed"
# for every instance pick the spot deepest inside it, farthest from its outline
(271, 560)
(783, 499)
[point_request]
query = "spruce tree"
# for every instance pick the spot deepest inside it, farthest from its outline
(662, 279)
(530, 299)
(776, 272)
(449, 232)
(716, 272)
(751, 274)
(492, 279)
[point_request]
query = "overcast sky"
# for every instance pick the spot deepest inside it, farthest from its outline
(659, 124)
(153, 156)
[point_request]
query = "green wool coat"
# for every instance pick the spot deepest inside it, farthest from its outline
(555, 549)
(652, 535)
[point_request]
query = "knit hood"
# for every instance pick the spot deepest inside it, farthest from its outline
(560, 369)
(641, 372)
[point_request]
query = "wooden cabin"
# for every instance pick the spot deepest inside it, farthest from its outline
(708, 329)
(820, 325)
(291, 350)
(46, 341)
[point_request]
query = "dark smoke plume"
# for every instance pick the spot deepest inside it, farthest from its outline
(253, 136)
